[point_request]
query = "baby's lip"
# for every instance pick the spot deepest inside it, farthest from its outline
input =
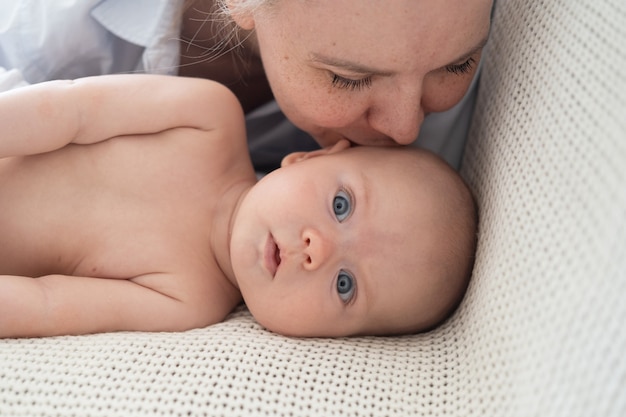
(271, 256)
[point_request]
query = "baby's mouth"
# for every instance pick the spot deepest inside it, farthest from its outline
(272, 255)
(277, 255)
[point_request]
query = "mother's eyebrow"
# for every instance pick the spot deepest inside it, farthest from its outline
(348, 65)
(366, 70)
(480, 45)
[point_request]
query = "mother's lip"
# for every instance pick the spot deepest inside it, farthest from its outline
(271, 255)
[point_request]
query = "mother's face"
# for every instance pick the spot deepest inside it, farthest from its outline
(369, 70)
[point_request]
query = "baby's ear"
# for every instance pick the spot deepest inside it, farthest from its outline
(301, 156)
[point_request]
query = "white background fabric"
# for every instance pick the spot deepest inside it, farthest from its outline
(541, 330)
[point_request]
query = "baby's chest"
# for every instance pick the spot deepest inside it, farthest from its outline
(120, 241)
(115, 218)
(126, 249)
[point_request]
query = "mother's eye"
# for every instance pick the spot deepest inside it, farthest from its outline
(351, 84)
(342, 205)
(463, 68)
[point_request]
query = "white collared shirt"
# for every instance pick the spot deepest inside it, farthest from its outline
(42, 40)
(69, 39)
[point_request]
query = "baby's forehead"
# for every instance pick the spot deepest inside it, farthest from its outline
(399, 303)
(405, 234)
(396, 269)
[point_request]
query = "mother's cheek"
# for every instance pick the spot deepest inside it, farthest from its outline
(444, 91)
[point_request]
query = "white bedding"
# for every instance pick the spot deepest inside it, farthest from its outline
(541, 330)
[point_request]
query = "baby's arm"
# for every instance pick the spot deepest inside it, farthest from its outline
(68, 305)
(47, 116)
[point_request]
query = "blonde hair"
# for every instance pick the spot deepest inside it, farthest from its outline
(219, 16)
(222, 11)
(234, 7)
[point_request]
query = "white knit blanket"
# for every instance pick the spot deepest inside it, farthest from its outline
(541, 331)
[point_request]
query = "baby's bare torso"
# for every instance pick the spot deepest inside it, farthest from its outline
(119, 209)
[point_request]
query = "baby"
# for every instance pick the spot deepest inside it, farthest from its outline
(129, 202)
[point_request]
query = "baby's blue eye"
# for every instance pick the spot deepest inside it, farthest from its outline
(342, 206)
(345, 286)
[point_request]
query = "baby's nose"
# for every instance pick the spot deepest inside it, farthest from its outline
(317, 249)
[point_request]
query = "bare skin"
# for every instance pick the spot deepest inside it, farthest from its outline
(368, 71)
(140, 214)
(130, 203)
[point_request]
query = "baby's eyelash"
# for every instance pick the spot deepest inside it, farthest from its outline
(463, 68)
(349, 84)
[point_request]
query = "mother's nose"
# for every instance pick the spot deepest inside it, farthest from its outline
(318, 248)
(398, 116)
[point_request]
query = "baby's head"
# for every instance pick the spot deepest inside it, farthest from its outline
(355, 241)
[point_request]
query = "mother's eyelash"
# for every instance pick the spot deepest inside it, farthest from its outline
(463, 68)
(349, 84)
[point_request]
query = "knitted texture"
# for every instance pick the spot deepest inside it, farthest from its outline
(542, 327)
(540, 331)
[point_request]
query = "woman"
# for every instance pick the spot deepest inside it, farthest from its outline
(370, 71)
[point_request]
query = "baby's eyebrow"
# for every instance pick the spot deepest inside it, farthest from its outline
(366, 189)
(364, 290)
(348, 65)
